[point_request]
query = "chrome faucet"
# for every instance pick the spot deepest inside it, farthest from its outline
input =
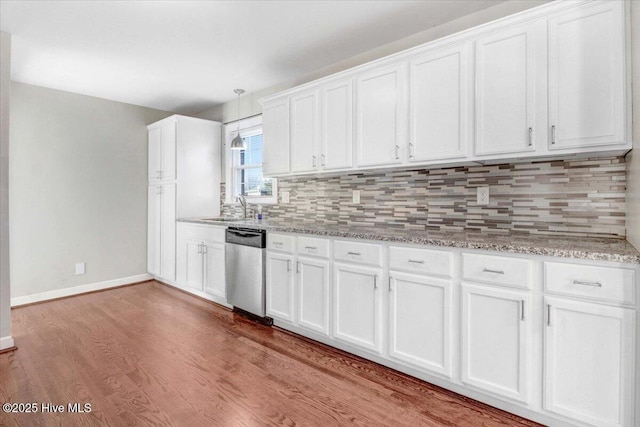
(243, 202)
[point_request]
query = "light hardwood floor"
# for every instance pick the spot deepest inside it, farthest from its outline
(148, 354)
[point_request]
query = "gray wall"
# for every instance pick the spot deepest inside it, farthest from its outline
(249, 105)
(78, 189)
(633, 160)
(5, 91)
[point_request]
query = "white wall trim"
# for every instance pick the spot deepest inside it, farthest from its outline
(6, 342)
(76, 290)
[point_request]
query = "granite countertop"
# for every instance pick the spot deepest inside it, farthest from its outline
(591, 248)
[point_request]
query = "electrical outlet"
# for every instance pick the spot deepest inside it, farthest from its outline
(356, 196)
(284, 197)
(80, 268)
(483, 195)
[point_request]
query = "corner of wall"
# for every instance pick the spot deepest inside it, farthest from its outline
(6, 341)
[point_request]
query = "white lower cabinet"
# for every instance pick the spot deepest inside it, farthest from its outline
(194, 272)
(422, 309)
(313, 294)
(420, 321)
(214, 269)
(161, 232)
(201, 260)
(589, 362)
(495, 340)
(356, 305)
(280, 286)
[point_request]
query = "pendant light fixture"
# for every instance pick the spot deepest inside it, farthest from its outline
(237, 143)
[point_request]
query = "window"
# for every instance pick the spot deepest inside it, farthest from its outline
(244, 167)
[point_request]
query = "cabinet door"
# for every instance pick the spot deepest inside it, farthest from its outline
(313, 294)
(275, 128)
(169, 135)
(440, 103)
(356, 315)
(505, 91)
(194, 264)
(337, 126)
(154, 207)
(304, 132)
(280, 290)
(420, 321)
(587, 76)
(380, 116)
(168, 232)
(495, 340)
(589, 358)
(155, 154)
(214, 269)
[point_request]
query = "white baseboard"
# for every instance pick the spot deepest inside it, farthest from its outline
(59, 293)
(6, 342)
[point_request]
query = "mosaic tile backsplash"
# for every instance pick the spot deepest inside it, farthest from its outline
(581, 197)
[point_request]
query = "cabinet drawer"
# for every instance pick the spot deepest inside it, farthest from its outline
(420, 260)
(363, 253)
(602, 283)
(205, 233)
(313, 247)
(281, 242)
(498, 270)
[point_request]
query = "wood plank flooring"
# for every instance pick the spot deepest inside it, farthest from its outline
(151, 355)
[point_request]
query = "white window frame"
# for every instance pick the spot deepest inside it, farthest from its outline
(246, 127)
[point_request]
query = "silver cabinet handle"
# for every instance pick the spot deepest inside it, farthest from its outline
(277, 243)
(553, 134)
(354, 253)
(311, 247)
(390, 288)
(411, 151)
(548, 314)
(314, 161)
(288, 265)
(416, 261)
(323, 160)
(487, 270)
(522, 310)
(530, 137)
(375, 281)
(204, 249)
(298, 267)
(580, 282)
(397, 152)
(200, 248)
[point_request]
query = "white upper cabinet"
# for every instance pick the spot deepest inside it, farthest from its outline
(275, 128)
(155, 154)
(162, 152)
(336, 131)
(440, 104)
(379, 115)
(505, 91)
(587, 76)
(549, 81)
(304, 132)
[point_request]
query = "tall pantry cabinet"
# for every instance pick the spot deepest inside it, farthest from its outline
(184, 182)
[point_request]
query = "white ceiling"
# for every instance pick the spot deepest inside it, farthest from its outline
(188, 56)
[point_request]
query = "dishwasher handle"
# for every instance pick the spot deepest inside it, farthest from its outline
(246, 237)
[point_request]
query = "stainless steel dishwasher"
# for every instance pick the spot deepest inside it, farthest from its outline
(245, 270)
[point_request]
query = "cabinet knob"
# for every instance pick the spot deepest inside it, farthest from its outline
(530, 137)
(397, 152)
(553, 134)
(313, 161)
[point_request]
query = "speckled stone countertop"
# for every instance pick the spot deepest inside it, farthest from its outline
(597, 249)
